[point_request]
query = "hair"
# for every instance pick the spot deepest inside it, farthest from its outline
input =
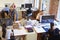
(51, 25)
(6, 5)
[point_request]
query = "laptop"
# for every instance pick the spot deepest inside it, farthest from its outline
(47, 19)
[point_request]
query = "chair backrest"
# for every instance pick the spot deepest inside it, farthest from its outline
(56, 31)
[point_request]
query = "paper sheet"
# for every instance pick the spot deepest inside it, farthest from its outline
(39, 29)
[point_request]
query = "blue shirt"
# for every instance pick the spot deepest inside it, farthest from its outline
(6, 9)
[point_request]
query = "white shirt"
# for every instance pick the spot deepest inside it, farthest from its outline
(8, 33)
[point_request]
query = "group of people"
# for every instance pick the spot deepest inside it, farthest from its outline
(9, 12)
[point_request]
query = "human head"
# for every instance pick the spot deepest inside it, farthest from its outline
(11, 8)
(52, 25)
(6, 5)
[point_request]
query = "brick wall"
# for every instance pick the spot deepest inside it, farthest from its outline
(53, 7)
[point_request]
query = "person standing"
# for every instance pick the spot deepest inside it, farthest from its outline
(13, 13)
(6, 8)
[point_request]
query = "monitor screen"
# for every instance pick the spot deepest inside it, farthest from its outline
(48, 19)
(28, 5)
(22, 5)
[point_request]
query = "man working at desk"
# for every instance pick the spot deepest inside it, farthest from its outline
(53, 33)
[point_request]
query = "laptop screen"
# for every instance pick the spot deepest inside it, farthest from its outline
(47, 19)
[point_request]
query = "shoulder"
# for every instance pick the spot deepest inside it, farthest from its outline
(56, 29)
(38, 14)
(49, 30)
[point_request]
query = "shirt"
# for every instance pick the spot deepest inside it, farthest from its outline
(6, 9)
(12, 14)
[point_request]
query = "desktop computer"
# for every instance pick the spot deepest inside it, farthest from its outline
(29, 5)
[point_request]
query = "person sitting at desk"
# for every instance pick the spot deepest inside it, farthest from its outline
(13, 13)
(53, 33)
(39, 15)
(6, 8)
(29, 13)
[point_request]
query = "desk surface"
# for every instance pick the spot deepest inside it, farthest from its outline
(22, 31)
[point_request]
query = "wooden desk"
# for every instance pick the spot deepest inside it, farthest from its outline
(22, 33)
(39, 31)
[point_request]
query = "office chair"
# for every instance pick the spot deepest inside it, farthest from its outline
(55, 35)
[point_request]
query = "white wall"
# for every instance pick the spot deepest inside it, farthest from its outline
(46, 6)
(17, 2)
(58, 14)
(37, 4)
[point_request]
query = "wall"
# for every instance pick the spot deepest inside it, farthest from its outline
(47, 4)
(58, 14)
(37, 4)
(17, 2)
(53, 7)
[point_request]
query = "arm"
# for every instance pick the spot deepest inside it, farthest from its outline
(38, 16)
(14, 17)
(56, 20)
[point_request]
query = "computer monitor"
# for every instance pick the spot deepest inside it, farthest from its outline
(28, 5)
(48, 19)
(23, 5)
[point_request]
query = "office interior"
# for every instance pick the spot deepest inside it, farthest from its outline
(21, 26)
